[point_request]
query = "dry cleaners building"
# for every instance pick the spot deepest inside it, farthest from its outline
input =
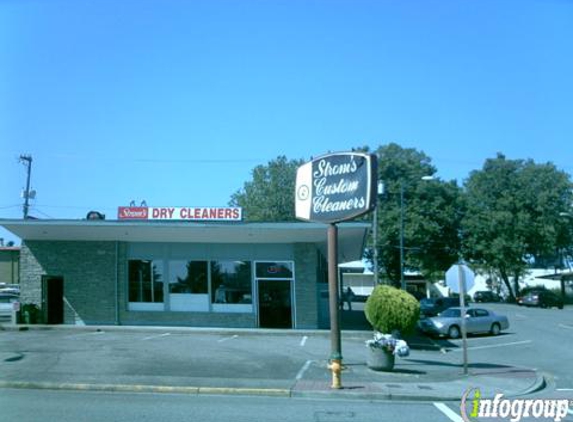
(146, 269)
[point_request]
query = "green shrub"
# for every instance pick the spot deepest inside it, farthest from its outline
(389, 309)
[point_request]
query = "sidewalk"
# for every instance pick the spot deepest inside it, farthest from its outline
(289, 363)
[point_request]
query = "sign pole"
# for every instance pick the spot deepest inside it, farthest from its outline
(462, 281)
(335, 341)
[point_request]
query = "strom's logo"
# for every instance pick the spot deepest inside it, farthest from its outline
(474, 407)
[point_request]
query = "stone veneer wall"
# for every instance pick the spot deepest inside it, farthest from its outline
(306, 264)
(88, 270)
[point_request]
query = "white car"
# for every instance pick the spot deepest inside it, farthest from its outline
(7, 301)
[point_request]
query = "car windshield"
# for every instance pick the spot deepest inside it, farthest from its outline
(451, 313)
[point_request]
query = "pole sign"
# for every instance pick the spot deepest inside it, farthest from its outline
(336, 187)
(458, 274)
(180, 213)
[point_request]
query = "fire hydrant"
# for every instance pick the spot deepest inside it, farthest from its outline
(336, 367)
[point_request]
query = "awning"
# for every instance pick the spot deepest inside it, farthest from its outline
(351, 236)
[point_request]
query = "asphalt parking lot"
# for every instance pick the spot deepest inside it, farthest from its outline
(280, 360)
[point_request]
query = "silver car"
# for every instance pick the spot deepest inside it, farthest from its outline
(478, 321)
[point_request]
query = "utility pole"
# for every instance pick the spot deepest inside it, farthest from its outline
(27, 160)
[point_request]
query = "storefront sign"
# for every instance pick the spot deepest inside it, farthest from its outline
(336, 187)
(180, 213)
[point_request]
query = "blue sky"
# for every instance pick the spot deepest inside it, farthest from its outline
(175, 102)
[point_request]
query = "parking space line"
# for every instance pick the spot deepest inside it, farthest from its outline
(303, 370)
(156, 336)
(492, 346)
(221, 340)
(448, 412)
(303, 341)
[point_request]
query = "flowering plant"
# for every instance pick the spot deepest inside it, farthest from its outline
(390, 343)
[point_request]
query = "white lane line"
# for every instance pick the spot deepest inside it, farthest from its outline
(570, 327)
(155, 336)
(303, 341)
(221, 340)
(303, 370)
(448, 412)
(492, 346)
(564, 389)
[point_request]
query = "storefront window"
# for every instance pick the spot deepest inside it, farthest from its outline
(231, 282)
(145, 281)
(188, 277)
(188, 286)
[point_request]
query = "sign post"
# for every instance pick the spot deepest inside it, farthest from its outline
(330, 189)
(465, 280)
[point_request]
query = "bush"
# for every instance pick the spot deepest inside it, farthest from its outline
(389, 309)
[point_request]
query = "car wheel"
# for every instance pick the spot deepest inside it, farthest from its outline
(454, 332)
(495, 329)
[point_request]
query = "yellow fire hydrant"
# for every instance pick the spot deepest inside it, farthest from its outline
(336, 367)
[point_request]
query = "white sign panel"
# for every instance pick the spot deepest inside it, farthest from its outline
(336, 187)
(457, 274)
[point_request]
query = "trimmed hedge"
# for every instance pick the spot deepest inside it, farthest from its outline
(389, 309)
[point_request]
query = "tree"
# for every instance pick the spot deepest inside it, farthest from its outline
(513, 216)
(269, 196)
(432, 212)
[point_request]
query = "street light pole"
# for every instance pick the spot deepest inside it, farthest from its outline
(402, 263)
(402, 280)
(380, 191)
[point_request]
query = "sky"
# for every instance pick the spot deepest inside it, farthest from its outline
(175, 102)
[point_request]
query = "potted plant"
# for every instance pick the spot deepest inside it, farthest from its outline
(392, 313)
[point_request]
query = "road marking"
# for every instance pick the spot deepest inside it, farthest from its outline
(564, 389)
(156, 336)
(303, 341)
(221, 340)
(570, 327)
(448, 412)
(303, 370)
(492, 346)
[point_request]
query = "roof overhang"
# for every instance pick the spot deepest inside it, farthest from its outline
(351, 236)
(558, 276)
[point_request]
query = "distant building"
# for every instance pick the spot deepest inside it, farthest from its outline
(9, 266)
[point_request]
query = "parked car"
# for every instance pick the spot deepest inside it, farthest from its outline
(433, 306)
(478, 320)
(7, 301)
(486, 296)
(541, 298)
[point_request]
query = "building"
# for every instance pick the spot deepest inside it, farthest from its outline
(179, 273)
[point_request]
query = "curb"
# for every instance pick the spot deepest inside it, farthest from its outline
(140, 388)
(344, 393)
